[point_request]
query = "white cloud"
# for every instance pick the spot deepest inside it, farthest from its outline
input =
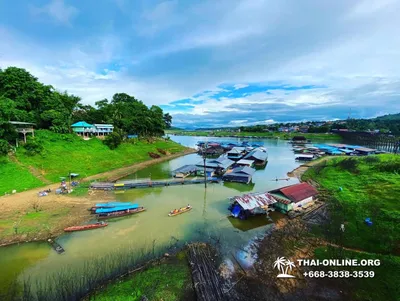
(58, 10)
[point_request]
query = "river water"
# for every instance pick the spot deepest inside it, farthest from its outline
(207, 219)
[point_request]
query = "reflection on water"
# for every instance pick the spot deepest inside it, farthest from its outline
(208, 219)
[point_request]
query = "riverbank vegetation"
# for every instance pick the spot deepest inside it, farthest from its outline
(64, 153)
(168, 281)
(359, 188)
(138, 266)
(272, 135)
(356, 189)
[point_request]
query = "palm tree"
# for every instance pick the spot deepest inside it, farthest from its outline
(289, 264)
(280, 263)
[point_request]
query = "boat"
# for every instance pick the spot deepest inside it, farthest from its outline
(109, 205)
(116, 208)
(120, 213)
(180, 211)
(85, 227)
(56, 246)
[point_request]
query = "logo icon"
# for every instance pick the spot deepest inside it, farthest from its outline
(283, 265)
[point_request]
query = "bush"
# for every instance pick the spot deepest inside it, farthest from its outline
(389, 167)
(372, 159)
(33, 147)
(349, 165)
(113, 140)
(4, 147)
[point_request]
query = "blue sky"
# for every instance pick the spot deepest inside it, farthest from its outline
(214, 63)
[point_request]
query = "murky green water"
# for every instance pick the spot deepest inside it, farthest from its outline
(208, 217)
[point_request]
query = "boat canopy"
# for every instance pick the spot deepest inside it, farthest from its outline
(113, 204)
(118, 208)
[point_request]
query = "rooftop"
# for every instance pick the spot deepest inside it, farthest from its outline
(81, 124)
(254, 200)
(245, 162)
(21, 123)
(297, 192)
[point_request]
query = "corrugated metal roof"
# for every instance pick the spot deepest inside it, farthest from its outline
(257, 154)
(185, 169)
(245, 162)
(254, 200)
(297, 192)
(304, 156)
(244, 170)
(81, 124)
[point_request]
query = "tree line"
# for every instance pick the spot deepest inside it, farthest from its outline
(23, 98)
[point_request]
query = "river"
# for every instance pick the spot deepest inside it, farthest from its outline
(207, 219)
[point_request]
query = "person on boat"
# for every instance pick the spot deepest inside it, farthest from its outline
(188, 206)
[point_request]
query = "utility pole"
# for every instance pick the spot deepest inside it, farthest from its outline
(204, 162)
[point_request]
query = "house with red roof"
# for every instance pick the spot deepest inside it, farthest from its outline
(294, 196)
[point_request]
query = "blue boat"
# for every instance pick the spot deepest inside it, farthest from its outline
(118, 208)
(112, 204)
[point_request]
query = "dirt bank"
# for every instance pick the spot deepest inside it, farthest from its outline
(299, 171)
(26, 217)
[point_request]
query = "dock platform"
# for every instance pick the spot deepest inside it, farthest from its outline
(122, 185)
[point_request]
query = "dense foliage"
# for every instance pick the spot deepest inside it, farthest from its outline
(23, 98)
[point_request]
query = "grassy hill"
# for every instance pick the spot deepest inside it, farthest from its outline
(15, 177)
(69, 153)
(370, 187)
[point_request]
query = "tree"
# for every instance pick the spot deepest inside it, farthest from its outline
(7, 110)
(114, 139)
(167, 120)
(4, 147)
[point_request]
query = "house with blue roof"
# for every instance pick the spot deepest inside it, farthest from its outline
(83, 128)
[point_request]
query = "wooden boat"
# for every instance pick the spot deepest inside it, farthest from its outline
(56, 246)
(120, 213)
(108, 205)
(180, 211)
(86, 227)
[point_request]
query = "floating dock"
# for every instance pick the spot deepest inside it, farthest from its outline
(122, 185)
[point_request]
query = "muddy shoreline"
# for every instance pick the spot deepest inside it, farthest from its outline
(65, 210)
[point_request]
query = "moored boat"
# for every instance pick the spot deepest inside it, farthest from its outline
(120, 213)
(109, 205)
(86, 227)
(180, 211)
(116, 208)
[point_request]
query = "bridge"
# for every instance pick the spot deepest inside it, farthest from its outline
(378, 141)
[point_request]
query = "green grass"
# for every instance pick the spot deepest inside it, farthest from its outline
(313, 136)
(68, 152)
(384, 286)
(370, 188)
(167, 281)
(14, 176)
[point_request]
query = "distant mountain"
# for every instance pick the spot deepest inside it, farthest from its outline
(389, 117)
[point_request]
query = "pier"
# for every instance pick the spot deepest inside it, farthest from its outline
(145, 183)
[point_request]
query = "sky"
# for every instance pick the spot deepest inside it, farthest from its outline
(214, 63)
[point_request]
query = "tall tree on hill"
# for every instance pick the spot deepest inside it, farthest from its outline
(167, 120)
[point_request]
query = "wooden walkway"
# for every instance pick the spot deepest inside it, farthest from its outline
(206, 280)
(130, 184)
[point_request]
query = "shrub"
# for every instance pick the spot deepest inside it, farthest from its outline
(349, 165)
(4, 147)
(389, 167)
(33, 147)
(372, 159)
(113, 140)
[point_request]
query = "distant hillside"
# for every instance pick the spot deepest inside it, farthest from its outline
(389, 117)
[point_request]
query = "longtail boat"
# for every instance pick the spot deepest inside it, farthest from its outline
(109, 205)
(56, 246)
(180, 211)
(86, 227)
(120, 213)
